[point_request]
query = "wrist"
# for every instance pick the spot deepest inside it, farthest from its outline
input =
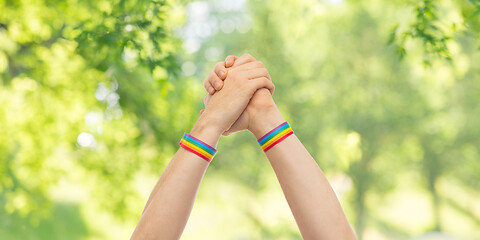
(206, 131)
(265, 120)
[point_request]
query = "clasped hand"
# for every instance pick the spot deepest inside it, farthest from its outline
(239, 95)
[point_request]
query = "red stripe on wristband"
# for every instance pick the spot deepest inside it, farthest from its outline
(195, 152)
(275, 136)
(197, 147)
(277, 142)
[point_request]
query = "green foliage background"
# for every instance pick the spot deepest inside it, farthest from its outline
(95, 95)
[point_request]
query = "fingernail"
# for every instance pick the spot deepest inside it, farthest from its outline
(211, 90)
(217, 85)
(222, 73)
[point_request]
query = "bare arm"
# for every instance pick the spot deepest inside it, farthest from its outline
(169, 206)
(170, 203)
(312, 200)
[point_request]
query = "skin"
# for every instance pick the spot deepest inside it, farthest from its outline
(310, 196)
(243, 101)
(170, 203)
(261, 100)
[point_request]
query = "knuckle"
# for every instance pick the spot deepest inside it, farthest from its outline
(219, 65)
(233, 72)
(248, 56)
(264, 71)
(259, 64)
(211, 76)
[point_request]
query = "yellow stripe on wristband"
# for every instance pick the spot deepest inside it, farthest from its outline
(197, 147)
(275, 136)
(201, 151)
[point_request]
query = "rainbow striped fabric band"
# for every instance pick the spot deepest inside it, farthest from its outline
(275, 136)
(197, 147)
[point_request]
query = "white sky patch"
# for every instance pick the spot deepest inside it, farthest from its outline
(189, 68)
(336, 1)
(86, 139)
(198, 11)
(213, 54)
(192, 45)
(129, 55)
(93, 118)
(227, 26)
(101, 92)
(207, 18)
(203, 30)
(228, 5)
(112, 99)
(243, 25)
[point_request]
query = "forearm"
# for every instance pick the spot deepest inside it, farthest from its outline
(312, 201)
(168, 208)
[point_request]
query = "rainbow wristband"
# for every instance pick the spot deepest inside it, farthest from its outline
(197, 147)
(275, 136)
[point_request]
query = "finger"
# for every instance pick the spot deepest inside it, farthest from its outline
(230, 60)
(215, 82)
(257, 73)
(207, 83)
(220, 70)
(250, 65)
(206, 99)
(245, 58)
(262, 82)
(201, 111)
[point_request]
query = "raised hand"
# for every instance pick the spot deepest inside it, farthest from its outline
(241, 99)
(259, 107)
(312, 200)
(240, 84)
